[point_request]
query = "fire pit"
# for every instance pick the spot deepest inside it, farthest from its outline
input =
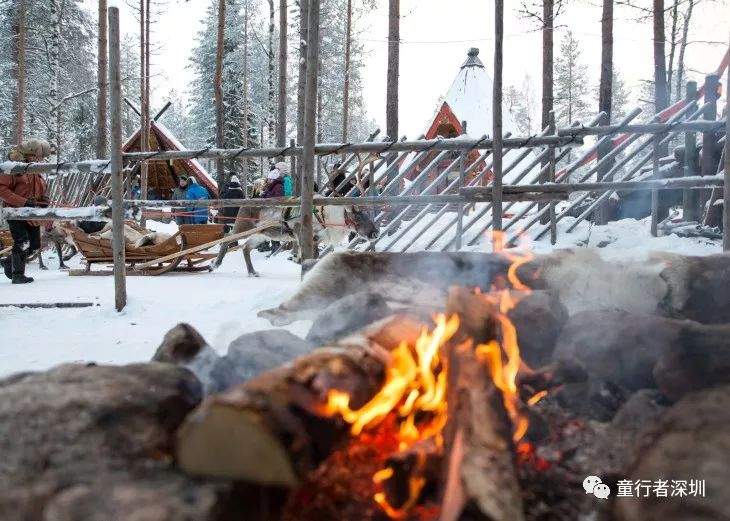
(439, 417)
(474, 386)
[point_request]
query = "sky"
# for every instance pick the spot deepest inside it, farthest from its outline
(435, 36)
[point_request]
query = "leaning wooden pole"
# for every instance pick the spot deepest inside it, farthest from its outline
(497, 116)
(306, 238)
(115, 87)
(726, 198)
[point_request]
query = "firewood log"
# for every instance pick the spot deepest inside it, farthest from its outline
(479, 472)
(270, 430)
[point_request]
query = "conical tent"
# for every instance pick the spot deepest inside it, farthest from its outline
(469, 99)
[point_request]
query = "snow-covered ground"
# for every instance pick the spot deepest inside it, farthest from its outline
(221, 305)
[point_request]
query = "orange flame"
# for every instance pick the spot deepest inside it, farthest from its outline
(503, 356)
(415, 383)
(414, 388)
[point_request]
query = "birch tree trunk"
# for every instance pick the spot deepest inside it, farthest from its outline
(346, 87)
(548, 21)
(218, 89)
(271, 111)
(281, 108)
(244, 164)
(672, 49)
(143, 136)
(20, 74)
(101, 93)
(54, 64)
(391, 103)
(302, 79)
(683, 47)
(661, 100)
(660, 68)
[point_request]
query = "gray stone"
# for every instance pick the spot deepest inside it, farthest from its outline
(347, 315)
(180, 345)
(616, 346)
(184, 346)
(254, 353)
(86, 442)
(699, 359)
(539, 317)
(690, 441)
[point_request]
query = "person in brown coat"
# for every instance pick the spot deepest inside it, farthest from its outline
(24, 190)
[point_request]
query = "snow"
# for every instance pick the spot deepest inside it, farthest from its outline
(628, 238)
(91, 213)
(223, 305)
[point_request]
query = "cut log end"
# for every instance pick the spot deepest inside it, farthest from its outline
(224, 441)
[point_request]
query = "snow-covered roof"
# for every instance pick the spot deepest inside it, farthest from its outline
(470, 98)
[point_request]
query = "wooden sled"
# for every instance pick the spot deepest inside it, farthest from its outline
(155, 259)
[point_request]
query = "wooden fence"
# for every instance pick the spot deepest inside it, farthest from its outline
(424, 181)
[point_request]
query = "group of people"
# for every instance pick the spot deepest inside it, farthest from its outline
(278, 183)
(22, 191)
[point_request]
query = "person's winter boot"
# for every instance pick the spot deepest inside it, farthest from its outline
(7, 267)
(18, 262)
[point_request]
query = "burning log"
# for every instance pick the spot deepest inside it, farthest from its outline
(480, 468)
(479, 471)
(271, 430)
(561, 372)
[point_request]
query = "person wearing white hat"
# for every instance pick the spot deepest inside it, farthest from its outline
(274, 183)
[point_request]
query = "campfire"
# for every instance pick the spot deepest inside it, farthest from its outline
(409, 419)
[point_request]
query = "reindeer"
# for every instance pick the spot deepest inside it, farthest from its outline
(331, 225)
(55, 234)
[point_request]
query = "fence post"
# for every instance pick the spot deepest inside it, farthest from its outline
(460, 208)
(708, 163)
(497, 120)
(551, 179)
(690, 208)
(115, 91)
(306, 238)
(600, 215)
(655, 193)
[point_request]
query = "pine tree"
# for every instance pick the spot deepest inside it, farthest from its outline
(129, 64)
(571, 83)
(521, 105)
(71, 87)
(620, 101)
